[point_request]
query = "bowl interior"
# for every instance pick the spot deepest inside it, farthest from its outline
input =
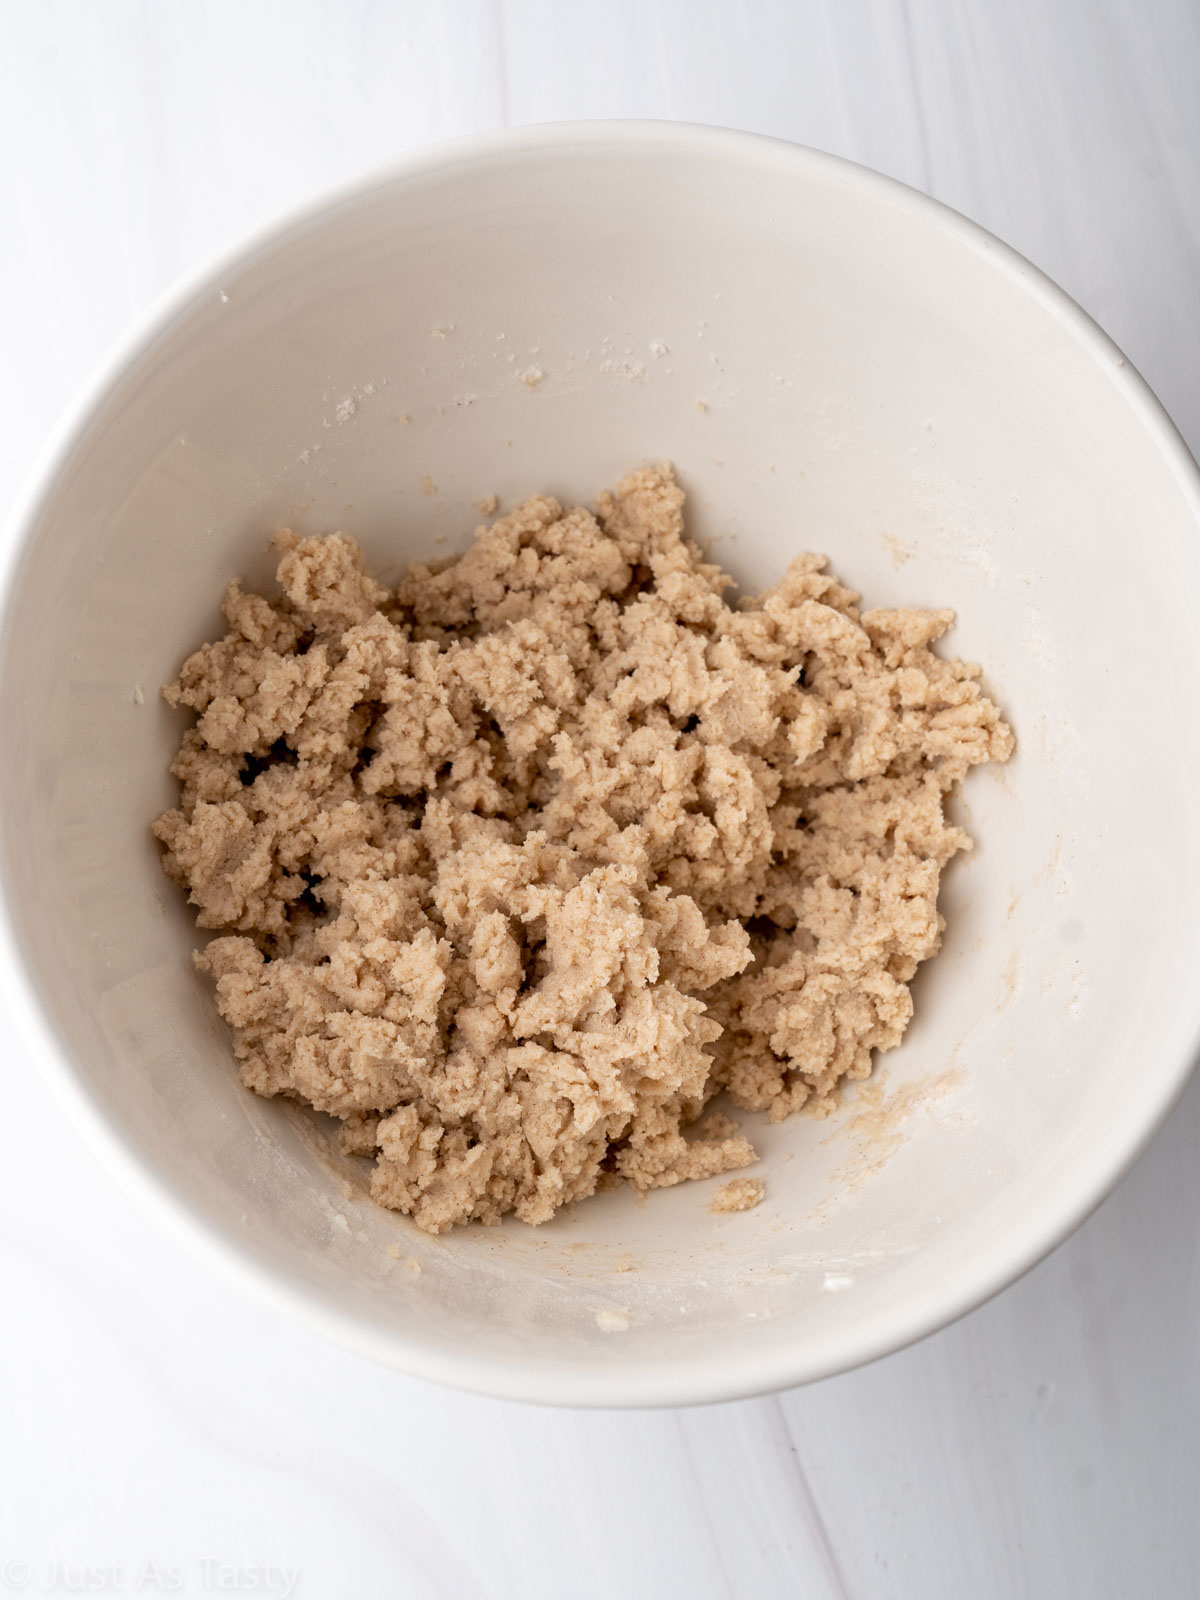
(833, 363)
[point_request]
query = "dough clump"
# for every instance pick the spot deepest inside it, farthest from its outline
(518, 865)
(740, 1194)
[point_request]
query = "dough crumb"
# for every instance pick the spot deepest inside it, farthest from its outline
(345, 409)
(531, 377)
(515, 867)
(397, 1254)
(742, 1194)
(612, 1321)
(488, 505)
(701, 405)
(427, 484)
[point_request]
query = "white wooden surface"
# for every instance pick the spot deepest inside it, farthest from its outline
(1048, 1445)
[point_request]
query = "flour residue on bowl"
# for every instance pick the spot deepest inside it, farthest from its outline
(879, 1120)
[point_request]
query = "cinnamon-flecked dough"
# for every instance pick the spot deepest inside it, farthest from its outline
(520, 864)
(739, 1194)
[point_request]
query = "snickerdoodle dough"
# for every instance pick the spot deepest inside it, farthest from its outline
(521, 863)
(739, 1194)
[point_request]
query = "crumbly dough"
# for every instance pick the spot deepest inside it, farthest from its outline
(740, 1194)
(519, 865)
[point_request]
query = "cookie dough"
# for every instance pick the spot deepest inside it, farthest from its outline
(740, 1194)
(520, 864)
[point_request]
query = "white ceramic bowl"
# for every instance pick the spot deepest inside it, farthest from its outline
(832, 361)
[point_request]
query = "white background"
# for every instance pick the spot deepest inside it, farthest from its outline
(1048, 1445)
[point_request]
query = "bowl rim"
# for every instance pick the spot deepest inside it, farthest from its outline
(690, 1380)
